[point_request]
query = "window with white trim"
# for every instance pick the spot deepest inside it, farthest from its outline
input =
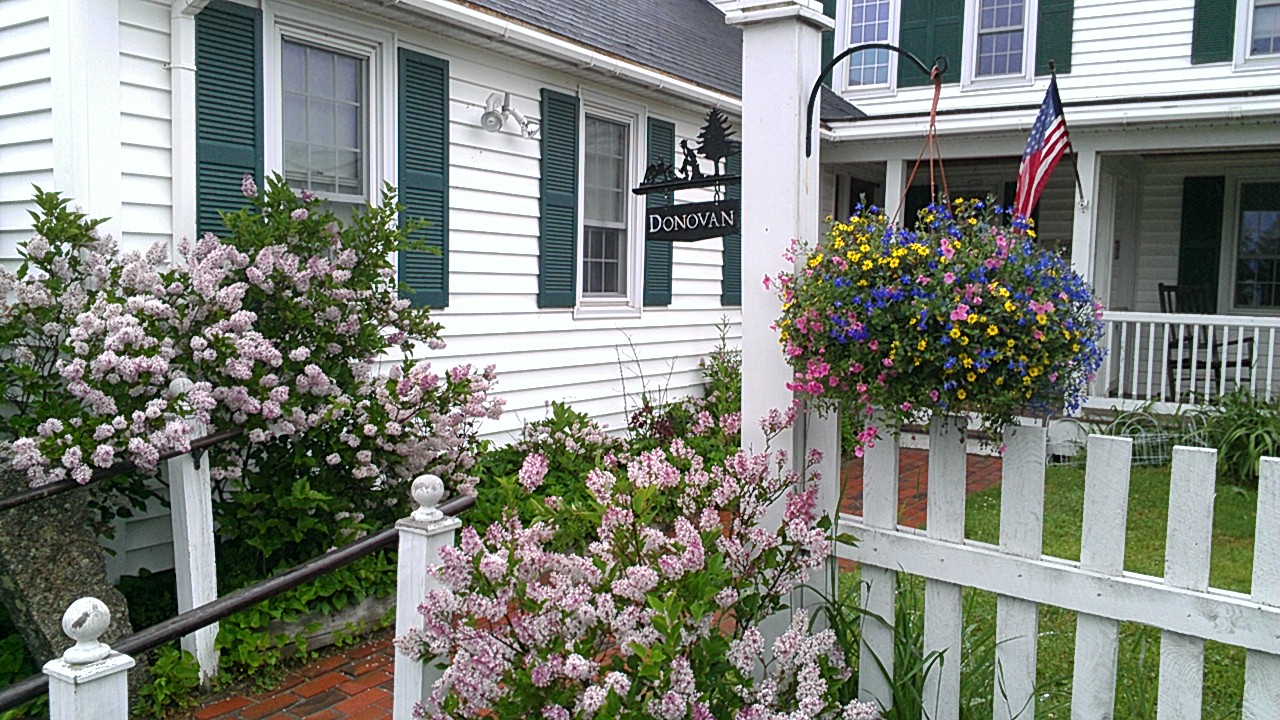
(604, 207)
(1257, 263)
(323, 120)
(1001, 38)
(870, 21)
(1264, 28)
(999, 42)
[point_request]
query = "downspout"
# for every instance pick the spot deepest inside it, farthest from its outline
(182, 99)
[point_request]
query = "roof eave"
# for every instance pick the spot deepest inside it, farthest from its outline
(503, 29)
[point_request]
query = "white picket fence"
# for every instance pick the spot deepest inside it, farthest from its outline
(1097, 588)
(1171, 359)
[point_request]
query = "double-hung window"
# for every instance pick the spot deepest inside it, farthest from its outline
(323, 120)
(1257, 266)
(605, 206)
(870, 21)
(999, 41)
(1262, 28)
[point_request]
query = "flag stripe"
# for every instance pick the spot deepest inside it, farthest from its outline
(1045, 147)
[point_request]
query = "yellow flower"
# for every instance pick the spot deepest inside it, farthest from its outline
(993, 330)
(966, 361)
(864, 248)
(922, 344)
(973, 221)
(970, 377)
(1034, 372)
(972, 319)
(1009, 306)
(955, 333)
(1042, 319)
(960, 394)
(867, 265)
(1000, 380)
(964, 340)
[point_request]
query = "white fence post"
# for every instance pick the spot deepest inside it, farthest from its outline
(1186, 565)
(90, 680)
(879, 584)
(1261, 670)
(1021, 534)
(191, 499)
(422, 535)
(1102, 536)
(942, 600)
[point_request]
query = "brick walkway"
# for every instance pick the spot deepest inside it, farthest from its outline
(356, 684)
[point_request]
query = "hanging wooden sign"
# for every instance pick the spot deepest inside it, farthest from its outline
(694, 221)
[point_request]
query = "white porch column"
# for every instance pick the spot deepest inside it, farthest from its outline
(1083, 253)
(781, 58)
(895, 182)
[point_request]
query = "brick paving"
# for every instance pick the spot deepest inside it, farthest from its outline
(356, 683)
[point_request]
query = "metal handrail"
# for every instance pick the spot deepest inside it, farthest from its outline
(198, 445)
(209, 613)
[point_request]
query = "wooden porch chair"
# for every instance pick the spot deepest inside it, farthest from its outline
(1203, 356)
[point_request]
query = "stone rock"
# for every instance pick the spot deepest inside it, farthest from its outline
(49, 558)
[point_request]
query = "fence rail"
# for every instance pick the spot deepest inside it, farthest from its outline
(1186, 359)
(208, 614)
(1181, 604)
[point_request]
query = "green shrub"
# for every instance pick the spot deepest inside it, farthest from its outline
(1244, 428)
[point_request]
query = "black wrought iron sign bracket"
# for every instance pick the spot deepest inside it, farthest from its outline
(940, 64)
(695, 221)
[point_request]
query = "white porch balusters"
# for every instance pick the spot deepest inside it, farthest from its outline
(191, 497)
(422, 534)
(90, 680)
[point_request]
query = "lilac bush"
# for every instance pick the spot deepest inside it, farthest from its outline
(659, 617)
(278, 325)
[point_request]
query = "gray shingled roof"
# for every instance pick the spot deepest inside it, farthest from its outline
(684, 38)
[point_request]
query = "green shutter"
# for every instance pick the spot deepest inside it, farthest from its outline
(828, 38)
(1213, 31)
(657, 253)
(930, 28)
(1200, 242)
(1053, 35)
(424, 176)
(558, 236)
(731, 270)
(228, 108)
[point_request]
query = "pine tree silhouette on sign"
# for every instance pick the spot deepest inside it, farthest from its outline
(717, 139)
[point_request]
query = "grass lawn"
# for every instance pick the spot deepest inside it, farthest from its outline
(1136, 687)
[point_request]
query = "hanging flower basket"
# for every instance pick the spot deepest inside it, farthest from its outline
(963, 314)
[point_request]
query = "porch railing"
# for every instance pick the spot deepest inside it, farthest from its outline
(1186, 359)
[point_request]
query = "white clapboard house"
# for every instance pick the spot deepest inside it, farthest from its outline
(1173, 108)
(150, 111)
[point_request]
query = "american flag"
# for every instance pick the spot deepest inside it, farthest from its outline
(1045, 148)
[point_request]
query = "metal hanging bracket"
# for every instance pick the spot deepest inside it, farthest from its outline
(940, 64)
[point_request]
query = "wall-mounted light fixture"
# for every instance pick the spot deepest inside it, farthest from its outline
(496, 111)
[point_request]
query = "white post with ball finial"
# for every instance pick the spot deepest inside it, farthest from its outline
(191, 498)
(90, 680)
(422, 535)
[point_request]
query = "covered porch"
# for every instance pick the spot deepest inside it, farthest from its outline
(1203, 225)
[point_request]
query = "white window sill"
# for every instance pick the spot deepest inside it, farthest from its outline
(593, 309)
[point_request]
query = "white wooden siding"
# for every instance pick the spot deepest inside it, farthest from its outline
(145, 134)
(26, 116)
(1137, 48)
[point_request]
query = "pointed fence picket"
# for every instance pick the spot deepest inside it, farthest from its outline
(1181, 605)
